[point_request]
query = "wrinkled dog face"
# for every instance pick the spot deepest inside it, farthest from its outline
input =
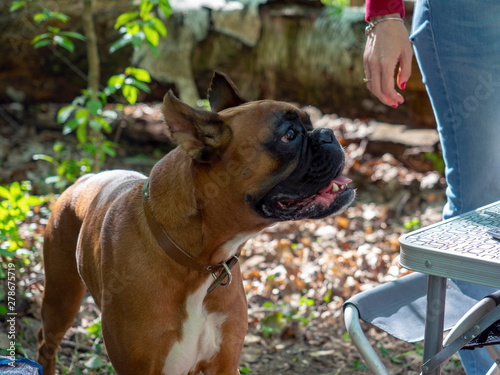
(314, 188)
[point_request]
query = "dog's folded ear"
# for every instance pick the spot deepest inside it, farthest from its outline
(202, 134)
(223, 93)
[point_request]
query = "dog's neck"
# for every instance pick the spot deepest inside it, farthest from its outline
(176, 209)
(212, 238)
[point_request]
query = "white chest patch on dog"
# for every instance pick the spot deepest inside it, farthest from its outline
(231, 246)
(201, 337)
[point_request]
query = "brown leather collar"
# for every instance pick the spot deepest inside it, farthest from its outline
(219, 271)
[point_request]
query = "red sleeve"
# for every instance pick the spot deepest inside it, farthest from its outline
(376, 8)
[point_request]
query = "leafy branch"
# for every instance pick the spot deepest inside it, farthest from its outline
(141, 26)
(86, 115)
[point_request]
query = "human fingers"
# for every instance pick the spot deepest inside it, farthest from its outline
(405, 67)
(376, 75)
(387, 89)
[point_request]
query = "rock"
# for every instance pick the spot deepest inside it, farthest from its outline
(240, 20)
(409, 146)
(400, 134)
(327, 231)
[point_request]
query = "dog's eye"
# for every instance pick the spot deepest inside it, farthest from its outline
(289, 136)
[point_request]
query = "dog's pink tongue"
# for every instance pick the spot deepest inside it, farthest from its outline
(342, 180)
(339, 181)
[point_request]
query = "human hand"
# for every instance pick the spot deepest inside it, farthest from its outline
(388, 43)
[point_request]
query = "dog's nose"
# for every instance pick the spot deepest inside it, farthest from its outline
(325, 136)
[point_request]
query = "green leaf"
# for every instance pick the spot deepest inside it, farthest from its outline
(70, 126)
(309, 301)
(33, 200)
(40, 17)
(141, 86)
(151, 35)
(16, 5)
(104, 124)
(108, 150)
(120, 43)
(15, 190)
(73, 34)
(64, 42)
(54, 30)
(125, 18)
(37, 38)
(116, 81)
(165, 7)
(58, 146)
(244, 370)
(139, 74)
(95, 328)
(4, 192)
(160, 26)
(133, 28)
(44, 157)
(82, 116)
(42, 43)
(95, 362)
(3, 310)
(94, 106)
(64, 113)
(272, 324)
(130, 93)
(145, 7)
(103, 96)
(137, 39)
(81, 133)
(60, 16)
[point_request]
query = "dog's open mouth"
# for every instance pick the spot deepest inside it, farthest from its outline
(323, 198)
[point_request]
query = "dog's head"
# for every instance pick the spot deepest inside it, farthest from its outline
(264, 155)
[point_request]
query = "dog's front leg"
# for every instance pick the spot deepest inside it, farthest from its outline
(233, 304)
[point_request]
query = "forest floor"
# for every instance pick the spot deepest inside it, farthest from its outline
(297, 275)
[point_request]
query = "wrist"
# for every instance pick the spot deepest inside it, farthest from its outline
(392, 15)
(374, 21)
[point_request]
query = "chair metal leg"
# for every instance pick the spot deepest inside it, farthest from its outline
(494, 351)
(434, 321)
(372, 360)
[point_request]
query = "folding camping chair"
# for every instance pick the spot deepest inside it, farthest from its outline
(423, 305)
(399, 308)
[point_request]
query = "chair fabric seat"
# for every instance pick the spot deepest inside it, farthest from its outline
(399, 307)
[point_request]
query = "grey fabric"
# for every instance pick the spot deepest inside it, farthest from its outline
(399, 307)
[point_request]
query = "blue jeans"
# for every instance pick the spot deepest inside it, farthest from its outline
(457, 46)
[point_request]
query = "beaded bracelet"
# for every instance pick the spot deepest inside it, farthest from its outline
(371, 25)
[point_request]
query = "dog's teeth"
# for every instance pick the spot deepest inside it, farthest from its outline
(335, 188)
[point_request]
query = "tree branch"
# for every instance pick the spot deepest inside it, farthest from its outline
(92, 51)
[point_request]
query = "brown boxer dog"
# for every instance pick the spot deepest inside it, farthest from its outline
(159, 254)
